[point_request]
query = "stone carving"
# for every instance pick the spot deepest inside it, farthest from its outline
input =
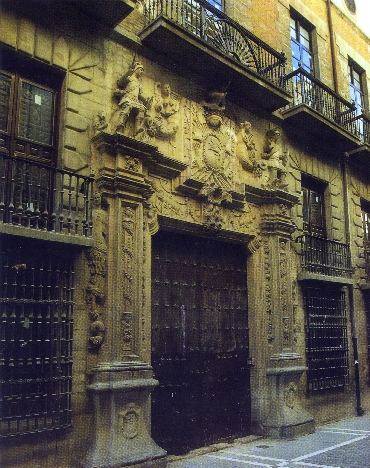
(211, 166)
(96, 257)
(100, 122)
(214, 106)
(246, 147)
(97, 330)
(290, 395)
(165, 122)
(213, 217)
(129, 421)
(274, 176)
(132, 102)
(267, 264)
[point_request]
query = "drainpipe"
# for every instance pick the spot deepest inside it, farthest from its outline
(332, 46)
(359, 408)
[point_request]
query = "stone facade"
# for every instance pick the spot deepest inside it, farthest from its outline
(170, 152)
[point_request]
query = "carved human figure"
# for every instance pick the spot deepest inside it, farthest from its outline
(276, 160)
(166, 122)
(132, 100)
(246, 147)
(214, 106)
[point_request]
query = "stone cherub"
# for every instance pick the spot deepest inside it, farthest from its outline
(131, 99)
(276, 161)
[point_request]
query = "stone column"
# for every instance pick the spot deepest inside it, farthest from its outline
(123, 379)
(276, 407)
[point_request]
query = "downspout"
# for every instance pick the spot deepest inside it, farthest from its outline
(359, 408)
(332, 46)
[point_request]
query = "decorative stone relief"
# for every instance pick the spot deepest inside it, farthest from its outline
(267, 265)
(100, 123)
(274, 169)
(214, 106)
(97, 330)
(127, 253)
(132, 103)
(290, 395)
(130, 421)
(246, 147)
(165, 119)
(97, 259)
(284, 292)
(213, 217)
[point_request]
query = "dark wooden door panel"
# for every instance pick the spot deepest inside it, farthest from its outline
(199, 342)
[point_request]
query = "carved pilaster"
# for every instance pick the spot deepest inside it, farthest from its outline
(276, 407)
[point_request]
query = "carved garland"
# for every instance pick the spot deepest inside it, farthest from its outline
(266, 251)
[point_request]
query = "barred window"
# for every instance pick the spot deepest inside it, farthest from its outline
(326, 338)
(36, 300)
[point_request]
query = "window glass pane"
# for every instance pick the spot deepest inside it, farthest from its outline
(36, 112)
(293, 29)
(316, 209)
(5, 88)
(304, 37)
(306, 60)
(216, 3)
(296, 50)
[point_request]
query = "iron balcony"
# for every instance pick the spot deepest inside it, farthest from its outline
(36, 199)
(317, 109)
(195, 36)
(325, 260)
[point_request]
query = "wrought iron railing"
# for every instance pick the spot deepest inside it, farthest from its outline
(306, 89)
(206, 22)
(367, 259)
(41, 197)
(325, 257)
(362, 123)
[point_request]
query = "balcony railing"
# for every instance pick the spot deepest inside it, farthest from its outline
(308, 90)
(362, 123)
(206, 22)
(325, 257)
(41, 197)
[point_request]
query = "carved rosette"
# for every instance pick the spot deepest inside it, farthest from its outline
(130, 420)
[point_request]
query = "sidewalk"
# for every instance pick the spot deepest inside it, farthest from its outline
(345, 444)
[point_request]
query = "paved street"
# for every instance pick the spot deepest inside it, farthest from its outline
(345, 444)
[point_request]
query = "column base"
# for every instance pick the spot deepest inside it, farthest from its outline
(287, 418)
(121, 395)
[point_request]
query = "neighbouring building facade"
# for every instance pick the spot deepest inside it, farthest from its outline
(185, 225)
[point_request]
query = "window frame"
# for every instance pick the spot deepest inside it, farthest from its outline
(301, 23)
(313, 186)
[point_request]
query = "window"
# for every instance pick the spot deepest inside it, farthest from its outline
(28, 98)
(326, 338)
(36, 300)
(355, 87)
(313, 207)
(301, 45)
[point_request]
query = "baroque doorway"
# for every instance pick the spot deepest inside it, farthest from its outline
(199, 342)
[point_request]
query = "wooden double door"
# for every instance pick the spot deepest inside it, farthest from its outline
(199, 342)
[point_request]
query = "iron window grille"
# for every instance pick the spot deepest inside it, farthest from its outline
(326, 338)
(36, 334)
